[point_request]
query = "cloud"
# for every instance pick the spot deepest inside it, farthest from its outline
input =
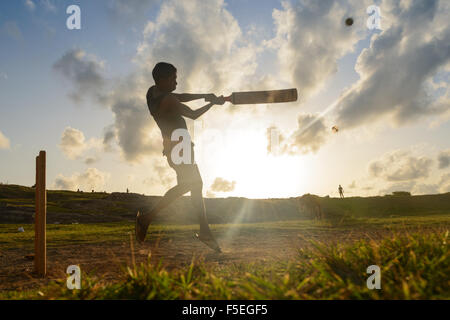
(222, 185)
(12, 30)
(395, 68)
(205, 63)
(307, 138)
(73, 144)
(130, 11)
(444, 183)
(48, 5)
(210, 194)
(109, 136)
(398, 186)
(91, 179)
(30, 5)
(444, 159)
(90, 160)
(352, 185)
(166, 176)
(425, 189)
(400, 165)
(134, 130)
(4, 141)
(311, 37)
(84, 72)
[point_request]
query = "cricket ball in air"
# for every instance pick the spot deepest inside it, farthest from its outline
(349, 21)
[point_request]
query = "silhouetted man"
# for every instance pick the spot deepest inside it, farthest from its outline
(341, 191)
(168, 112)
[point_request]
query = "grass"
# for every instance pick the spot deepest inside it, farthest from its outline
(413, 266)
(69, 234)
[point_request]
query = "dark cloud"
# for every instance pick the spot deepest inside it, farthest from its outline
(307, 138)
(400, 166)
(399, 186)
(135, 131)
(90, 160)
(109, 137)
(84, 72)
(444, 159)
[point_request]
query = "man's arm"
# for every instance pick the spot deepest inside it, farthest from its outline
(186, 97)
(171, 102)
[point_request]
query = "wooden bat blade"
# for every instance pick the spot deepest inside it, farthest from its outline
(271, 96)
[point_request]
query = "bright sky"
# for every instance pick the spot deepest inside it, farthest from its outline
(80, 94)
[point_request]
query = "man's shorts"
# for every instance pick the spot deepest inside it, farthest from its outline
(186, 173)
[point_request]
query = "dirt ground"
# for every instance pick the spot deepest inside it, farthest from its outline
(105, 259)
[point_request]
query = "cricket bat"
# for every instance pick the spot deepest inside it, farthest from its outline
(254, 97)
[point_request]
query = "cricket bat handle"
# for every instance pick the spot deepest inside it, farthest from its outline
(227, 99)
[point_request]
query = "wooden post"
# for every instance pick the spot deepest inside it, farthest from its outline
(40, 245)
(36, 216)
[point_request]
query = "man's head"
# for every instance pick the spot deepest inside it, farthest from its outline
(165, 76)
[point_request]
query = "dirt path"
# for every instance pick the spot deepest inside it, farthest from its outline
(176, 249)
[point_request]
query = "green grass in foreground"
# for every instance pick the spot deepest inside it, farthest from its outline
(413, 266)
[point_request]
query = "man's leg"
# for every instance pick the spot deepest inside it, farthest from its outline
(199, 205)
(170, 196)
(143, 220)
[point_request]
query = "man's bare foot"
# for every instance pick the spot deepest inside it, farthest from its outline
(140, 228)
(209, 241)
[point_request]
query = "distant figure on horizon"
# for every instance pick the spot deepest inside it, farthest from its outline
(127, 190)
(168, 111)
(341, 192)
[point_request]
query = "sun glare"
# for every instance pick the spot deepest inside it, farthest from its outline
(243, 157)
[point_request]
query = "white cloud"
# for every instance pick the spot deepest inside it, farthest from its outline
(4, 141)
(73, 144)
(396, 67)
(205, 63)
(12, 30)
(91, 179)
(311, 37)
(222, 185)
(444, 183)
(48, 5)
(30, 5)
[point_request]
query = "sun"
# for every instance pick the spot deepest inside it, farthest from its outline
(243, 157)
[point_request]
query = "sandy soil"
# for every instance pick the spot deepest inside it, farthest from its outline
(176, 250)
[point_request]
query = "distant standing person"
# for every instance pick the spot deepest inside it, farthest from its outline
(341, 191)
